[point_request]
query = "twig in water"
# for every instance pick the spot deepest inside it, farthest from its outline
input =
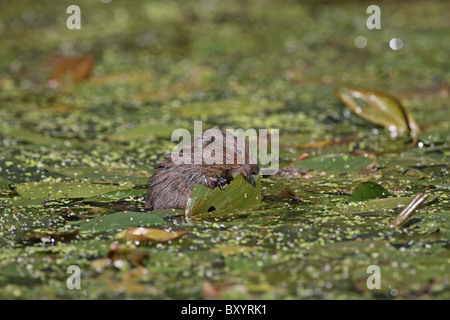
(409, 209)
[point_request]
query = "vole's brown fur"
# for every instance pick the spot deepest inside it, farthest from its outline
(171, 184)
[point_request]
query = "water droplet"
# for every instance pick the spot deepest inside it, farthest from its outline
(396, 44)
(360, 42)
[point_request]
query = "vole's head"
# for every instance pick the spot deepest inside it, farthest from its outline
(224, 147)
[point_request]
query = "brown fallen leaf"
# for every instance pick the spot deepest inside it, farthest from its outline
(79, 67)
(116, 255)
(120, 252)
(149, 235)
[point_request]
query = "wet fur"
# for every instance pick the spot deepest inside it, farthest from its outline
(171, 184)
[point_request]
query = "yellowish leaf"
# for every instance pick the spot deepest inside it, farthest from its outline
(149, 235)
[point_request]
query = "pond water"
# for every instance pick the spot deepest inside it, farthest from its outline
(77, 150)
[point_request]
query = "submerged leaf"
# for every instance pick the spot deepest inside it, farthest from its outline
(369, 190)
(239, 194)
(379, 108)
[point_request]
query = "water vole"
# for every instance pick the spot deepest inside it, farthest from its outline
(172, 183)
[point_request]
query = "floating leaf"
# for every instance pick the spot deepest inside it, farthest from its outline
(379, 108)
(239, 194)
(120, 220)
(335, 162)
(119, 252)
(369, 190)
(149, 235)
(34, 193)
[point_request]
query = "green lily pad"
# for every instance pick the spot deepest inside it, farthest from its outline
(239, 194)
(335, 162)
(34, 193)
(62, 189)
(149, 235)
(369, 190)
(120, 220)
(379, 108)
